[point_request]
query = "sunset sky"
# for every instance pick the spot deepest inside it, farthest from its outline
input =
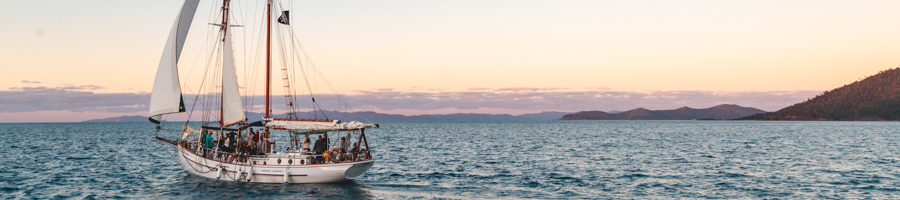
(77, 60)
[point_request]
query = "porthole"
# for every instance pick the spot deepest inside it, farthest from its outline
(279, 161)
(290, 161)
(302, 162)
(264, 162)
(254, 162)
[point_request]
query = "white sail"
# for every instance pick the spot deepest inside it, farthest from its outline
(166, 95)
(232, 110)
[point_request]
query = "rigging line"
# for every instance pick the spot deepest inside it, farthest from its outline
(286, 61)
(255, 72)
(327, 83)
(210, 73)
(247, 103)
(285, 75)
(244, 49)
(217, 78)
(202, 81)
(314, 103)
(299, 62)
(305, 76)
(244, 43)
(211, 48)
(248, 79)
(293, 90)
(216, 70)
(315, 69)
(205, 42)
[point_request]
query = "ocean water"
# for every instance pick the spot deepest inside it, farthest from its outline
(506, 160)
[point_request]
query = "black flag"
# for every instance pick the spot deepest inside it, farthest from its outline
(284, 19)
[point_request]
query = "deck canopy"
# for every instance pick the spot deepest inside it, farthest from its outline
(323, 125)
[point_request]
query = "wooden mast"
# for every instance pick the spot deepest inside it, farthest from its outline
(268, 52)
(224, 30)
(268, 69)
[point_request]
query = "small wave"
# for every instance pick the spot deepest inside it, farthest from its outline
(80, 158)
(635, 175)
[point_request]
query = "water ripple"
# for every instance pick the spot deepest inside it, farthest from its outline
(597, 159)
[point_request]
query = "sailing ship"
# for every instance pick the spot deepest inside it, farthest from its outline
(244, 154)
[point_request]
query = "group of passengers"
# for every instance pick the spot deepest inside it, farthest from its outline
(346, 151)
(232, 146)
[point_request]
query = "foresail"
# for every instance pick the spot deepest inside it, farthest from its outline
(184, 24)
(166, 96)
(232, 109)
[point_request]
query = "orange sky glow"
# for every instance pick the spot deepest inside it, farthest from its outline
(413, 49)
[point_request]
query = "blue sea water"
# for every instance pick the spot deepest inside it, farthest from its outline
(514, 160)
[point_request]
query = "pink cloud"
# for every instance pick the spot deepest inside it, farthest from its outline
(80, 87)
(517, 89)
(478, 88)
(554, 88)
(598, 88)
(536, 99)
(26, 81)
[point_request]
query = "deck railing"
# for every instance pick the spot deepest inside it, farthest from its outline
(245, 158)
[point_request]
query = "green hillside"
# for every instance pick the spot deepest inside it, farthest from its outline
(874, 98)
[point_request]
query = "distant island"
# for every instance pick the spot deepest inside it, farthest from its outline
(724, 111)
(875, 98)
(373, 116)
(135, 118)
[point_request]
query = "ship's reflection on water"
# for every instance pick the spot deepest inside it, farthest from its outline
(207, 188)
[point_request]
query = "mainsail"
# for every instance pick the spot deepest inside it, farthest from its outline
(166, 96)
(232, 110)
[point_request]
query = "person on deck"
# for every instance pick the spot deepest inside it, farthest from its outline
(266, 144)
(348, 138)
(231, 136)
(225, 145)
(203, 136)
(345, 145)
(354, 152)
(306, 143)
(345, 148)
(210, 143)
(244, 151)
(251, 149)
(319, 148)
(255, 137)
(201, 142)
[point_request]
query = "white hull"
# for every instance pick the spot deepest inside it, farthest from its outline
(273, 171)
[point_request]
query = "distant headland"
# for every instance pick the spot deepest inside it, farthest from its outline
(875, 98)
(724, 111)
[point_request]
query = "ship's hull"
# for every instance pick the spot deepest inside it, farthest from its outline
(272, 169)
